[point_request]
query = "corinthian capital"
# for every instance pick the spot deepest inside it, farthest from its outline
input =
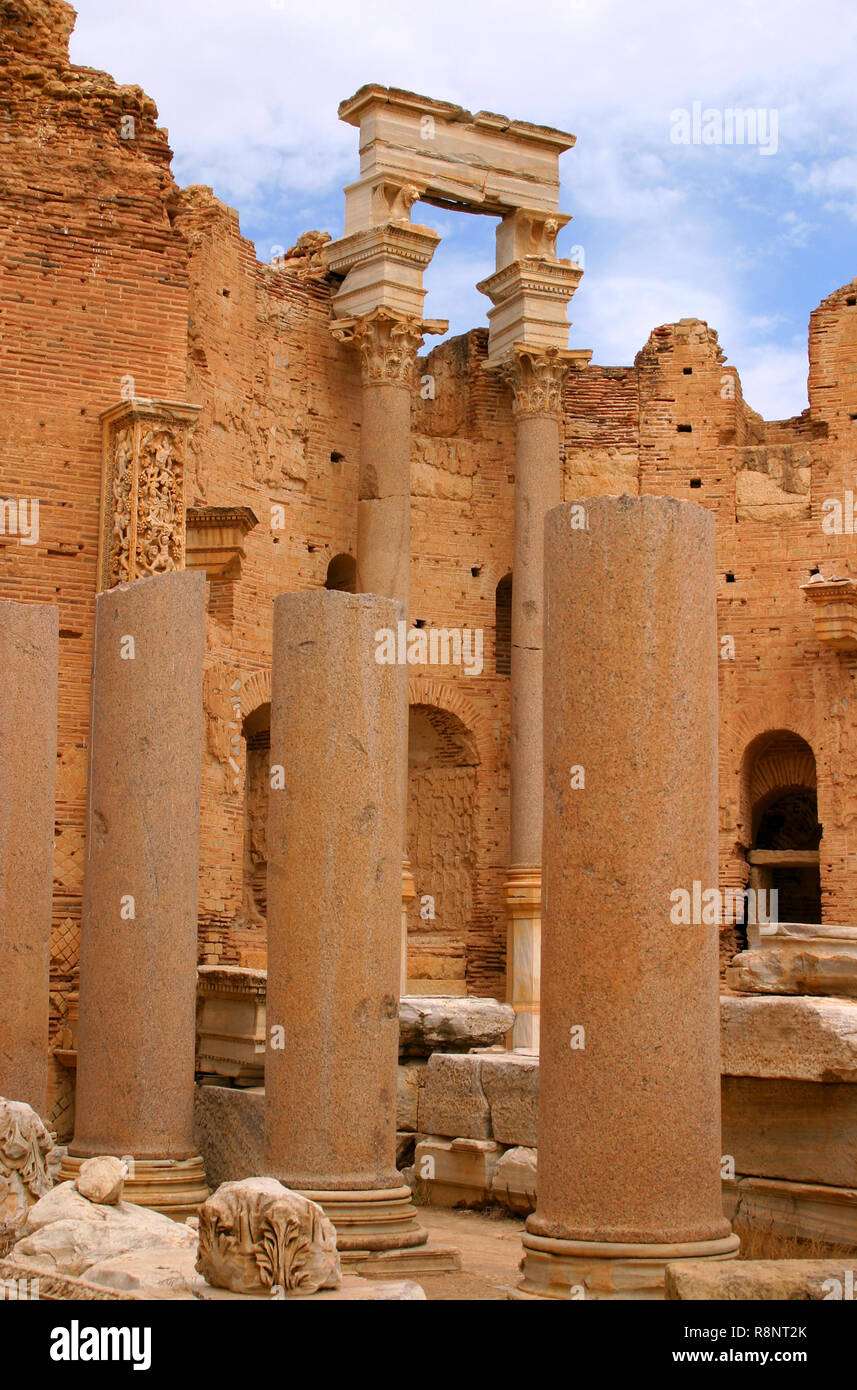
(537, 377)
(389, 343)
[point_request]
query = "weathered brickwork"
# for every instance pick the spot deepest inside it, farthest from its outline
(115, 282)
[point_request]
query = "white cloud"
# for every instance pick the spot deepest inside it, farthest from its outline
(249, 92)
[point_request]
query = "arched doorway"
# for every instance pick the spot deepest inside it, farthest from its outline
(442, 763)
(780, 789)
(342, 574)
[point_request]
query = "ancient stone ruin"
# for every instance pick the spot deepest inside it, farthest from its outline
(427, 782)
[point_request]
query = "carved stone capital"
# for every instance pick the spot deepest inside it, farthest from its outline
(537, 377)
(143, 489)
(389, 343)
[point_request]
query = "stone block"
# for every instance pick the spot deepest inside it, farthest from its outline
(756, 1280)
(453, 1102)
(798, 1130)
(510, 1082)
(228, 1126)
(428, 1024)
(410, 1081)
(230, 1023)
(758, 1038)
(514, 1181)
(457, 1172)
(794, 958)
(810, 1211)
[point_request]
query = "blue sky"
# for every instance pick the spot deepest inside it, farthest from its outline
(749, 241)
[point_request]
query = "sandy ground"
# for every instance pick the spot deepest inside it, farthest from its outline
(490, 1253)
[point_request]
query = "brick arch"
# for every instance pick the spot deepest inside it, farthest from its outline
(774, 760)
(445, 695)
(255, 691)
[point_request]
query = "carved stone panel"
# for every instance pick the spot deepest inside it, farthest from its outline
(143, 489)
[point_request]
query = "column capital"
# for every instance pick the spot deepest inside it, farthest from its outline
(389, 343)
(537, 376)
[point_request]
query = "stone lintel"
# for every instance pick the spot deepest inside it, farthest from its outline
(479, 163)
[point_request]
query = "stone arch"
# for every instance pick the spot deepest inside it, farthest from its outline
(774, 762)
(255, 691)
(443, 762)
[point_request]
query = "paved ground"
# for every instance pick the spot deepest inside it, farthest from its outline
(490, 1252)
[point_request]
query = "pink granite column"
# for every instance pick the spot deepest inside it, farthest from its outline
(29, 654)
(629, 1088)
(334, 893)
(139, 939)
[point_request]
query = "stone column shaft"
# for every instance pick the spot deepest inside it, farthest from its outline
(29, 654)
(334, 895)
(388, 344)
(537, 380)
(139, 937)
(629, 1087)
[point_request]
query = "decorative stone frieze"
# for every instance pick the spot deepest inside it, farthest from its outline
(143, 489)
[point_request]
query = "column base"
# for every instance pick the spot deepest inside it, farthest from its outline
(583, 1269)
(376, 1219)
(174, 1187)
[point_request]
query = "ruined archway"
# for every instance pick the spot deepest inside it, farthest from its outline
(779, 790)
(442, 763)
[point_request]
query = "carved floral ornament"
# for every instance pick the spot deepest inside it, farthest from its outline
(256, 1236)
(537, 378)
(143, 489)
(389, 343)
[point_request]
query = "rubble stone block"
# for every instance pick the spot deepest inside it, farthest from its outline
(410, 1082)
(757, 1038)
(228, 1130)
(514, 1181)
(511, 1086)
(453, 1101)
(757, 1280)
(457, 1172)
(799, 1130)
(428, 1024)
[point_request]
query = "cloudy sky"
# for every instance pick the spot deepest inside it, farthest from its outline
(748, 240)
